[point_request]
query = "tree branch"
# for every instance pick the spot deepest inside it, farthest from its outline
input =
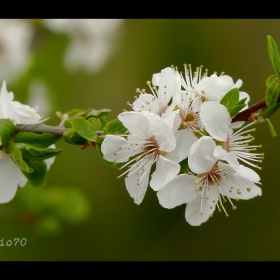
(41, 128)
(245, 115)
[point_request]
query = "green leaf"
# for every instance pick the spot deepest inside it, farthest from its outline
(87, 129)
(236, 109)
(271, 128)
(35, 153)
(111, 164)
(114, 127)
(231, 98)
(272, 93)
(72, 137)
(241, 101)
(273, 54)
(16, 155)
(75, 112)
(43, 140)
(102, 115)
(7, 129)
(38, 177)
(267, 112)
(270, 79)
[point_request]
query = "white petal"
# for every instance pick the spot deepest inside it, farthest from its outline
(136, 122)
(238, 84)
(216, 120)
(180, 190)
(236, 124)
(110, 148)
(155, 79)
(10, 178)
(247, 173)
(135, 188)
(222, 154)
(162, 132)
(215, 87)
(165, 171)
(144, 125)
(169, 85)
(201, 158)
(236, 186)
(169, 116)
(242, 95)
(177, 121)
(146, 102)
(194, 215)
(24, 114)
(239, 187)
(50, 161)
(184, 139)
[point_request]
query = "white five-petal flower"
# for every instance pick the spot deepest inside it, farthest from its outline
(213, 182)
(149, 140)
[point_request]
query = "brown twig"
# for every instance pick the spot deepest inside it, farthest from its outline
(245, 115)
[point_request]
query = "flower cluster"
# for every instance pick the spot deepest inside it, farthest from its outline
(180, 140)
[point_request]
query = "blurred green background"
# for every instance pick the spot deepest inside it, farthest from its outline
(85, 212)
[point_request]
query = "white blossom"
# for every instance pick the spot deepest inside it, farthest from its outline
(211, 184)
(149, 141)
(10, 178)
(17, 112)
(15, 47)
(92, 41)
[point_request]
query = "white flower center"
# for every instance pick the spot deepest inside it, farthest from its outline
(209, 183)
(144, 160)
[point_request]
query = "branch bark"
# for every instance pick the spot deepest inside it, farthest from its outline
(41, 128)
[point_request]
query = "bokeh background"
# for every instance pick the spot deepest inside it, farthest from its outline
(85, 213)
